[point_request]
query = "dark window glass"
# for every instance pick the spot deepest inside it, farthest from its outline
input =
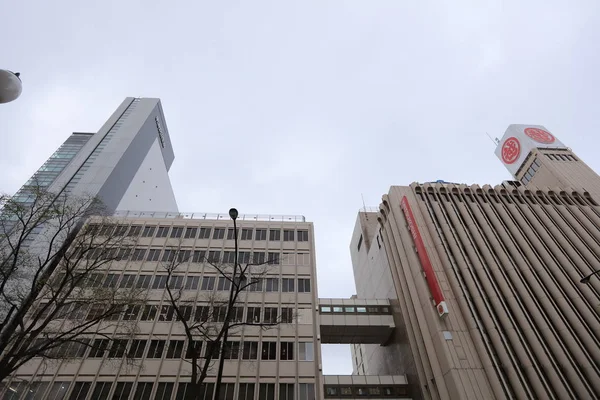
(269, 351)
(266, 391)
(177, 231)
(287, 315)
(303, 236)
(287, 351)
(253, 315)
(288, 235)
(260, 234)
(286, 391)
(219, 233)
(223, 284)
(136, 350)
(270, 315)
(175, 349)
(274, 234)
(214, 256)
(117, 348)
(272, 284)
(303, 285)
(143, 281)
(273, 258)
(230, 234)
(208, 283)
(250, 351)
(246, 391)
(153, 255)
(163, 231)
(127, 281)
(244, 257)
(101, 390)
(156, 349)
(98, 348)
(122, 391)
(138, 254)
(204, 233)
(143, 391)
(232, 350)
(160, 282)
(191, 283)
(247, 234)
(287, 285)
(229, 257)
(199, 256)
(80, 390)
(190, 233)
(258, 258)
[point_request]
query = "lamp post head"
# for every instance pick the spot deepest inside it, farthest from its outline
(233, 213)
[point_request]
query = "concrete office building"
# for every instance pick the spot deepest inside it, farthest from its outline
(484, 281)
(279, 363)
(125, 163)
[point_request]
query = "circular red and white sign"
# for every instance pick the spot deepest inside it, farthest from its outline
(511, 149)
(540, 135)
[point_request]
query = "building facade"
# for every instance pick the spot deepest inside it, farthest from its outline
(484, 281)
(125, 163)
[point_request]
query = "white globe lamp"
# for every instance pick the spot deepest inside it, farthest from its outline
(10, 86)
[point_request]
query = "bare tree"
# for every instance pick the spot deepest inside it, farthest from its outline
(51, 265)
(216, 316)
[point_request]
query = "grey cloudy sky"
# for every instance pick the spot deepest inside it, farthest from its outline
(298, 107)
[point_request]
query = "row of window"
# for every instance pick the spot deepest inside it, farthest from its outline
(161, 391)
(561, 157)
(187, 311)
(344, 391)
(193, 282)
(289, 235)
(339, 309)
(174, 349)
(531, 171)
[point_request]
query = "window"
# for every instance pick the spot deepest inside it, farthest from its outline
(361, 309)
(168, 255)
(223, 284)
(287, 351)
(204, 233)
(219, 313)
(258, 258)
(226, 392)
(219, 233)
(177, 231)
(143, 391)
(273, 258)
(306, 391)
(127, 281)
(253, 315)
(303, 285)
(274, 234)
(250, 351)
(256, 285)
(270, 315)
(247, 234)
(287, 315)
(131, 312)
(98, 348)
(123, 254)
(244, 257)
(303, 236)
(138, 254)
(214, 256)
(190, 233)
(121, 230)
(305, 351)
(199, 256)
(266, 391)
(289, 259)
(149, 313)
(156, 349)
(111, 281)
(191, 283)
(143, 281)
(287, 285)
(286, 391)
(349, 309)
(175, 349)
(176, 281)
(272, 284)
(162, 231)
(230, 234)
(202, 313)
(101, 390)
(166, 313)
(153, 255)
(269, 351)
(288, 235)
(122, 391)
(246, 391)
(338, 309)
(260, 234)
(208, 283)
(232, 350)
(184, 255)
(185, 312)
(237, 314)
(193, 347)
(80, 390)
(160, 282)
(229, 257)
(137, 348)
(378, 242)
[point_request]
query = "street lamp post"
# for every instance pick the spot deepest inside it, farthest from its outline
(233, 213)
(586, 279)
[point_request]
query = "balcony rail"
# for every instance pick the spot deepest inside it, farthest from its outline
(211, 216)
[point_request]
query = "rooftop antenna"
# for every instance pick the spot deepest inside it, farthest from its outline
(494, 141)
(364, 205)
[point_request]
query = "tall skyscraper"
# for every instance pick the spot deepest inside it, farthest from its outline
(484, 280)
(125, 163)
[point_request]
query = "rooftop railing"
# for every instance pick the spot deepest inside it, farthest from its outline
(212, 216)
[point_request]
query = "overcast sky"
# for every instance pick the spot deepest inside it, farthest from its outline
(299, 107)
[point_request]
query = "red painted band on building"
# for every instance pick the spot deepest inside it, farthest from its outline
(432, 281)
